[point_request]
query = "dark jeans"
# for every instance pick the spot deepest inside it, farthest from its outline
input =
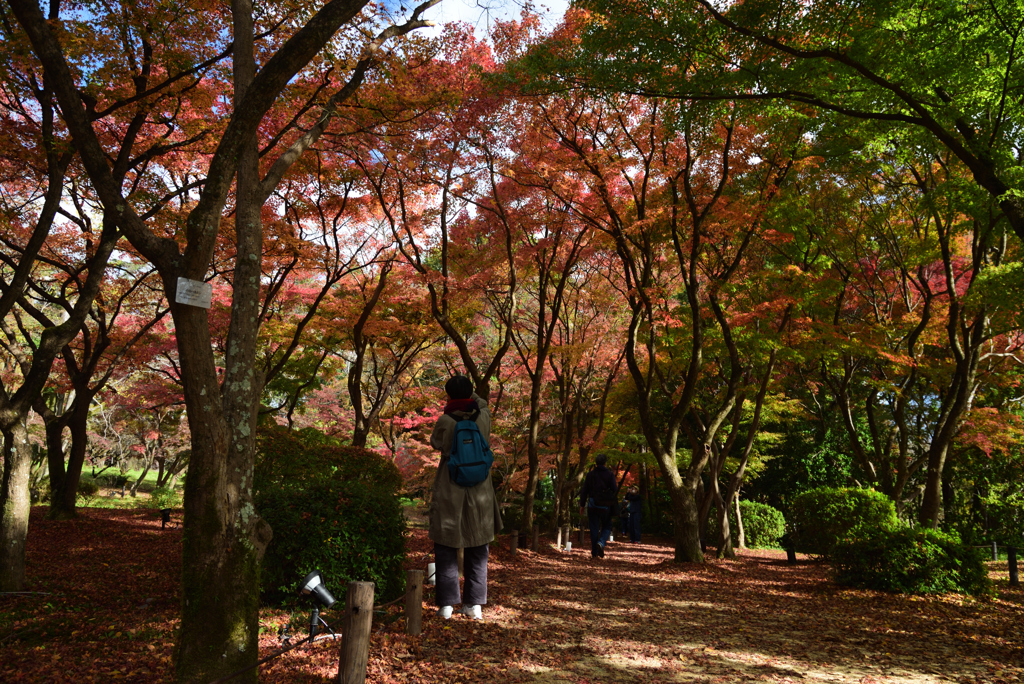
(634, 526)
(600, 520)
(474, 563)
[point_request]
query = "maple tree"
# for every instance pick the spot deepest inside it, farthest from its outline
(909, 336)
(926, 73)
(223, 534)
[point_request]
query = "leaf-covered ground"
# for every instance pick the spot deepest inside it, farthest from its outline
(109, 599)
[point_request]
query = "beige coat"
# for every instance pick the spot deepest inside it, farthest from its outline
(462, 517)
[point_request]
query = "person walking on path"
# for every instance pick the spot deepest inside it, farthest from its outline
(635, 506)
(461, 517)
(599, 498)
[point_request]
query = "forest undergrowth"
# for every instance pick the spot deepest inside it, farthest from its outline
(108, 600)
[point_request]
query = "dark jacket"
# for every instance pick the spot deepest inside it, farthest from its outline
(597, 479)
(635, 503)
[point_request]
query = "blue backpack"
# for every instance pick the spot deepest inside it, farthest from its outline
(470, 462)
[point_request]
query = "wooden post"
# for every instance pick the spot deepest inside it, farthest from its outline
(536, 538)
(558, 538)
(355, 635)
(1011, 554)
(413, 602)
(995, 552)
(514, 542)
(791, 555)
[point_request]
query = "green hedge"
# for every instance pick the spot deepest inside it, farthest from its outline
(822, 517)
(910, 561)
(345, 530)
(763, 526)
(332, 508)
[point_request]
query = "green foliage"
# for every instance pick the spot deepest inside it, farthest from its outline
(822, 517)
(333, 508)
(346, 530)
(164, 497)
(805, 460)
(87, 488)
(763, 526)
(911, 561)
(302, 458)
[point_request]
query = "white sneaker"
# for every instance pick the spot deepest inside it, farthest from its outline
(472, 612)
(446, 612)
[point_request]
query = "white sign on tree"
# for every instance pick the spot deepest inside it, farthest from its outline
(194, 293)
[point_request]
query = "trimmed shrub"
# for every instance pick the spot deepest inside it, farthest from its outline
(910, 561)
(763, 526)
(87, 488)
(332, 508)
(822, 517)
(347, 531)
(164, 497)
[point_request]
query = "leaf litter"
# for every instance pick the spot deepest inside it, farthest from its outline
(110, 598)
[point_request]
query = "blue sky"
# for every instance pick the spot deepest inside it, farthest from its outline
(480, 13)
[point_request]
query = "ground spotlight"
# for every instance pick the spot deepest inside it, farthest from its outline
(314, 587)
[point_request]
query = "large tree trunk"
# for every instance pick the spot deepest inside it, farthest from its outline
(15, 504)
(224, 539)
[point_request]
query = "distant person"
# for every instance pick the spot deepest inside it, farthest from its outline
(461, 516)
(598, 497)
(634, 504)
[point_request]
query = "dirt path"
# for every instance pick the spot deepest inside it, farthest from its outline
(637, 617)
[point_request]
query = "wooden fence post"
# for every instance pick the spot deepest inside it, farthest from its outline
(558, 538)
(1012, 558)
(355, 635)
(413, 602)
(995, 552)
(514, 542)
(536, 538)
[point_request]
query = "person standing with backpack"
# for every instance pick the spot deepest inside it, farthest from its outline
(599, 497)
(464, 511)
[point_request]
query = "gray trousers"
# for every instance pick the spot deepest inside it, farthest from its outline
(446, 566)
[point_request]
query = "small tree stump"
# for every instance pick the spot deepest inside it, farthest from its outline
(355, 635)
(413, 602)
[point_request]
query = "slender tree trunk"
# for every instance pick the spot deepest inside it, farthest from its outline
(533, 456)
(64, 501)
(931, 507)
(740, 535)
(725, 549)
(54, 429)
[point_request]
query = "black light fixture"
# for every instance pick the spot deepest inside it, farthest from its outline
(313, 586)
